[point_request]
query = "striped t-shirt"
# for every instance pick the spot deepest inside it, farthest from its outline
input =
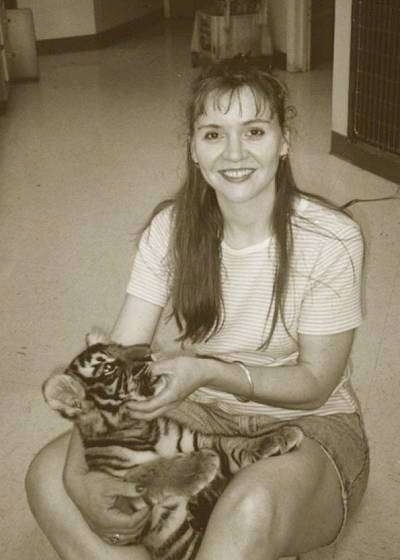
(323, 297)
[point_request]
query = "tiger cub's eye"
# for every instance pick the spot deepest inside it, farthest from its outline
(108, 368)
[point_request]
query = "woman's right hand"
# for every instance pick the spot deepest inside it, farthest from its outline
(97, 495)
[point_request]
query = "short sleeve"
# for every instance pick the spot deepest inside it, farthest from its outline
(332, 302)
(149, 279)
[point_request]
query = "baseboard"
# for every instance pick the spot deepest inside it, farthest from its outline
(97, 40)
(384, 164)
(25, 80)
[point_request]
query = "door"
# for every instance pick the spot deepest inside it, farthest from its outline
(322, 32)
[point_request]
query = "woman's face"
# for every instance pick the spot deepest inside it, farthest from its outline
(238, 148)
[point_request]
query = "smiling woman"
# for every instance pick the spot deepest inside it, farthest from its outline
(264, 284)
(237, 144)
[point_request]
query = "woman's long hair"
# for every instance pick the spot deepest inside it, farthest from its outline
(198, 227)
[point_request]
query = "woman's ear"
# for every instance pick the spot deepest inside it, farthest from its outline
(96, 336)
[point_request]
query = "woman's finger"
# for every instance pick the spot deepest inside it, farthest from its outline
(163, 356)
(164, 398)
(122, 488)
(128, 524)
(156, 413)
(139, 415)
(116, 521)
(171, 355)
(151, 414)
(163, 367)
(129, 533)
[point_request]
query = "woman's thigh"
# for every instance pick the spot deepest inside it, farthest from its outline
(58, 516)
(295, 500)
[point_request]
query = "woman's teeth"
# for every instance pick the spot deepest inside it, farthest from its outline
(236, 173)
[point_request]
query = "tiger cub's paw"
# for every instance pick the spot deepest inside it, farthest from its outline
(281, 441)
(184, 475)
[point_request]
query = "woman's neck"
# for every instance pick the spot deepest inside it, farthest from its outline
(247, 223)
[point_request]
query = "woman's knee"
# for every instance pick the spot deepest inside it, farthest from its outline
(268, 500)
(252, 509)
(248, 500)
(43, 479)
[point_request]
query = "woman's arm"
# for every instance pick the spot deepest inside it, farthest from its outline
(137, 321)
(306, 385)
(95, 494)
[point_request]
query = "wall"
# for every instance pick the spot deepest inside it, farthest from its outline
(341, 66)
(277, 10)
(183, 8)
(112, 13)
(61, 18)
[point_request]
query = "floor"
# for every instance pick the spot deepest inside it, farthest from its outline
(85, 154)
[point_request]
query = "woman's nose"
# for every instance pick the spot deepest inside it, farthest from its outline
(234, 149)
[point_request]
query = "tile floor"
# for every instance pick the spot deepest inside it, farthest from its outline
(85, 154)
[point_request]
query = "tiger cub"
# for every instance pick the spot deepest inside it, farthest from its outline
(178, 472)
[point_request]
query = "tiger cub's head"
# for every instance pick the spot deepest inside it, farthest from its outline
(103, 376)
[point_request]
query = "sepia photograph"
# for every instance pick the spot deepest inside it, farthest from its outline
(199, 275)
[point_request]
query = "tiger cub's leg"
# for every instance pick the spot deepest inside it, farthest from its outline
(242, 451)
(183, 475)
(280, 441)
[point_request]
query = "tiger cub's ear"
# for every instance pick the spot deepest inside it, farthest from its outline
(97, 336)
(65, 394)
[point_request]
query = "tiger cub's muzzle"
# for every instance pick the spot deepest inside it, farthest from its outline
(143, 383)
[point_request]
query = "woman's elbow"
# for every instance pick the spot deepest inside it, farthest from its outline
(318, 393)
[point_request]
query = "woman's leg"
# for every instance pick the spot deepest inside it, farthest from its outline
(57, 515)
(280, 506)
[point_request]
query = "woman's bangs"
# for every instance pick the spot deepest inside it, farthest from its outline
(263, 101)
(222, 97)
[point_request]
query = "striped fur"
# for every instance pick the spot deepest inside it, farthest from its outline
(178, 472)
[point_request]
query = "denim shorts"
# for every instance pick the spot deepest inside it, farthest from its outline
(341, 436)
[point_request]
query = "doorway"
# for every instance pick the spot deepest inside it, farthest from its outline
(322, 33)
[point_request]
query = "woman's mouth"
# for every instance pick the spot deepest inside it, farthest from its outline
(237, 175)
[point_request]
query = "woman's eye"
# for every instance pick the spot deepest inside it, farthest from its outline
(212, 135)
(255, 132)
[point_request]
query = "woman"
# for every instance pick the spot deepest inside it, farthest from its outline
(264, 283)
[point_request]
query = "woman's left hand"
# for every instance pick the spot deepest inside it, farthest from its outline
(182, 375)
